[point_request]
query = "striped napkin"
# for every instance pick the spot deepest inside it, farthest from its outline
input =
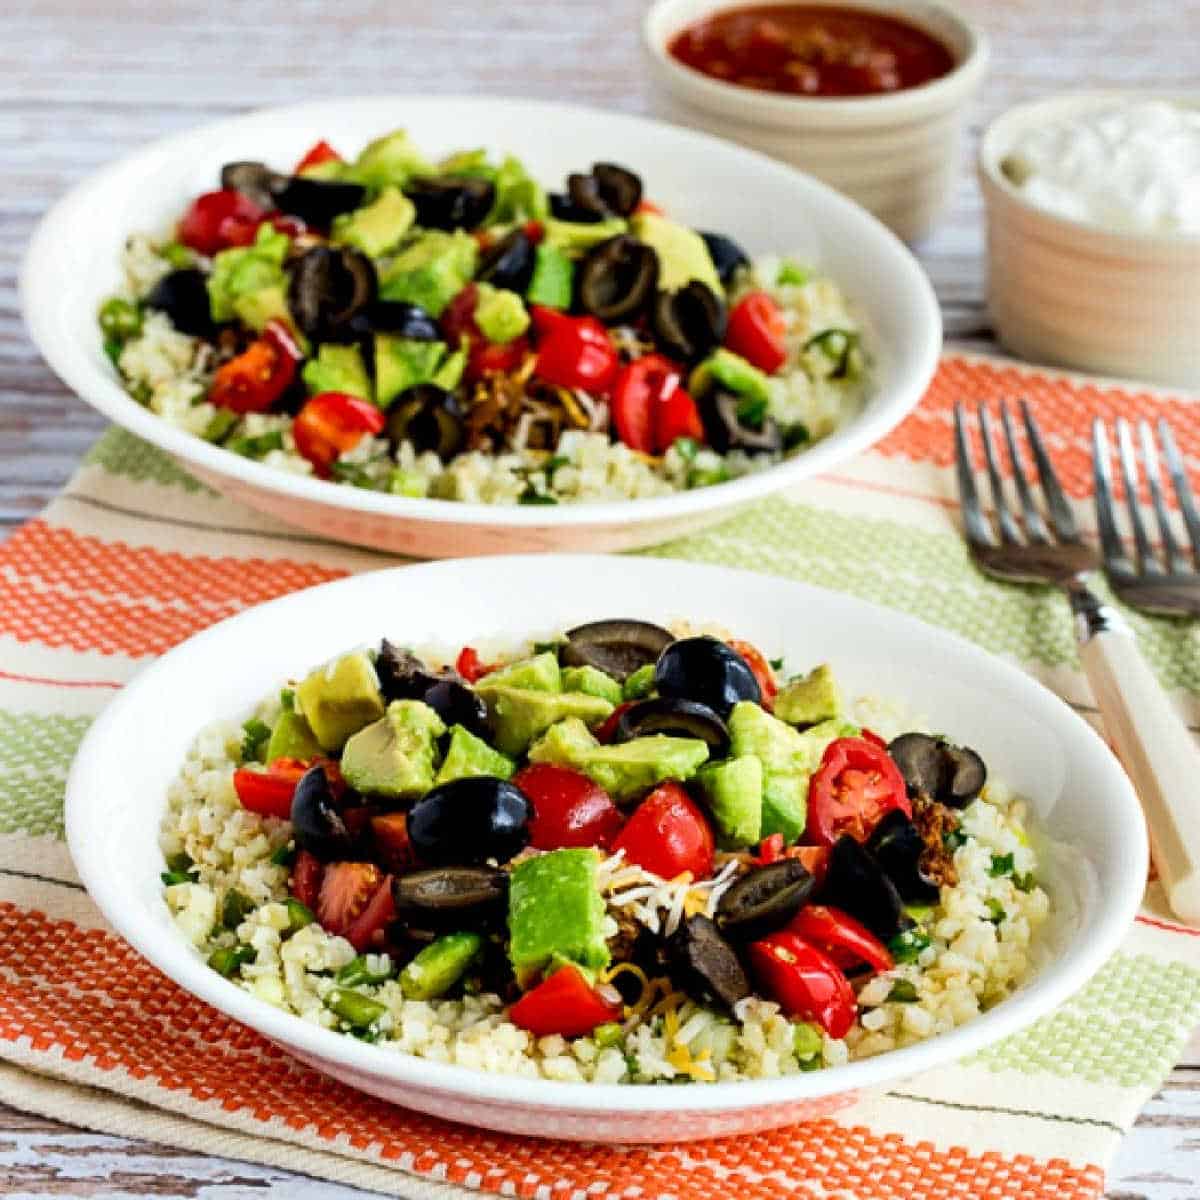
(135, 555)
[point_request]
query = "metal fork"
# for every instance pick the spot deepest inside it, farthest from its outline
(1149, 735)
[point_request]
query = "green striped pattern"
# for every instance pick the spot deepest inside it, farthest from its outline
(120, 453)
(35, 755)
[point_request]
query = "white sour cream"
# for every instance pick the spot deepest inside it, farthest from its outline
(1131, 167)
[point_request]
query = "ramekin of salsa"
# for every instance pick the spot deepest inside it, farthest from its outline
(868, 95)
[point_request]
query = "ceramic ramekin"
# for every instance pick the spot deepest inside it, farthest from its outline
(898, 155)
(1076, 295)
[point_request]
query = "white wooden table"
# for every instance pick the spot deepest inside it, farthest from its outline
(83, 81)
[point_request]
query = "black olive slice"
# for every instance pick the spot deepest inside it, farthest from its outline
(563, 208)
(937, 769)
(690, 322)
(705, 964)
(677, 718)
(764, 900)
(896, 845)
(584, 191)
(450, 201)
(468, 821)
(328, 287)
(317, 201)
(399, 318)
(616, 647)
(617, 279)
(317, 825)
(707, 671)
(183, 296)
(725, 430)
(726, 254)
(509, 264)
(253, 179)
(856, 884)
(402, 675)
(964, 777)
(457, 704)
(619, 188)
(448, 897)
(429, 417)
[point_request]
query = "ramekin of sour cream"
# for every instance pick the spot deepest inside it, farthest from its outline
(1093, 216)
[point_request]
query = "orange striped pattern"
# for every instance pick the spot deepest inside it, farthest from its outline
(87, 995)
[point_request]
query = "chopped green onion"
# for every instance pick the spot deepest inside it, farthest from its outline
(953, 838)
(259, 445)
(283, 855)
(299, 915)
(704, 477)
(776, 664)
(227, 960)
(792, 273)
(354, 1008)
(996, 912)
(113, 348)
(835, 345)
(355, 475)
(903, 992)
(796, 435)
(171, 878)
(219, 424)
(256, 735)
(807, 1041)
(687, 448)
(1002, 864)
(359, 970)
(180, 862)
(120, 319)
(908, 946)
(234, 908)
(1024, 883)
(556, 461)
(608, 1034)
(531, 496)
(177, 254)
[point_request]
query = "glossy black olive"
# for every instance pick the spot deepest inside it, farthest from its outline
(938, 769)
(457, 704)
(402, 675)
(617, 279)
(451, 898)
(183, 296)
(726, 254)
(253, 179)
(896, 845)
(428, 416)
(317, 201)
(724, 429)
(704, 964)
(619, 187)
(328, 287)
(450, 201)
(509, 263)
(470, 821)
(707, 671)
(563, 208)
(690, 322)
(856, 884)
(965, 776)
(316, 823)
(764, 900)
(616, 647)
(678, 718)
(398, 318)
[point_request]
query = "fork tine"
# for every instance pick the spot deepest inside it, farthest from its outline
(1035, 527)
(1106, 519)
(974, 522)
(1008, 527)
(1061, 516)
(1183, 489)
(1129, 474)
(1175, 560)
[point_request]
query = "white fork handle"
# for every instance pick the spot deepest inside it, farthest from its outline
(1159, 753)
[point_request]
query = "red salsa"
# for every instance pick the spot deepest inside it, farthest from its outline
(811, 50)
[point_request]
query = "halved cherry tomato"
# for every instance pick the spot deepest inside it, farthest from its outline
(368, 929)
(269, 792)
(770, 849)
(854, 787)
(212, 217)
(319, 152)
(573, 352)
(569, 809)
(346, 889)
(257, 377)
(804, 981)
(648, 206)
(565, 1004)
(331, 423)
(668, 835)
(868, 735)
(306, 878)
(677, 417)
(814, 859)
(762, 671)
(640, 388)
(469, 665)
(607, 729)
(847, 941)
(756, 331)
(389, 832)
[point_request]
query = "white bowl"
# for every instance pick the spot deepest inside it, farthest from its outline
(898, 155)
(73, 262)
(116, 796)
(1076, 295)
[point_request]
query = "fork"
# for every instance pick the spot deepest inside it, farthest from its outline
(1148, 733)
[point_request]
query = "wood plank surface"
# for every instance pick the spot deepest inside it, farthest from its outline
(84, 81)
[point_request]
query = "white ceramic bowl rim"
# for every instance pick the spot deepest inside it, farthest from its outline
(166, 949)
(39, 301)
(1000, 134)
(658, 26)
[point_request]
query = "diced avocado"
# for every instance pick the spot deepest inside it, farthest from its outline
(378, 226)
(592, 681)
(784, 804)
(255, 309)
(626, 771)
(431, 271)
(401, 363)
(552, 279)
(390, 159)
(243, 270)
(817, 737)
(292, 738)
(519, 197)
(812, 698)
(734, 792)
(472, 164)
(439, 966)
(539, 674)
(682, 254)
(330, 168)
(393, 756)
(500, 314)
(337, 369)
(779, 747)
(519, 715)
(575, 237)
(732, 372)
(556, 913)
(468, 755)
(338, 699)
(640, 684)
(449, 374)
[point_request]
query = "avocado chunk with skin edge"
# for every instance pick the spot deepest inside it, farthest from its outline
(682, 254)
(340, 698)
(733, 793)
(468, 756)
(593, 682)
(810, 699)
(541, 673)
(292, 738)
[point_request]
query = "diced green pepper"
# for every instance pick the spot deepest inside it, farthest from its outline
(552, 279)
(354, 1008)
(228, 960)
(439, 966)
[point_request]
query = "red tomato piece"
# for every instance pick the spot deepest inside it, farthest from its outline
(640, 388)
(668, 835)
(770, 849)
(346, 890)
(286, 223)
(762, 669)
(331, 423)
(458, 322)
(574, 352)
(368, 930)
(648, 206)
(756, 331)
(306, 878)
(677, 417)
(469, 666)
(534, 231)
(869, 735)
(201, 226)
(854, 787)
(804, 981)
(565, 1004)
(814, 859)
(389, 832)
(258, 377)
(269, 792)
(607, 729)
(569, 809)
(317, 153)
(847, 941)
